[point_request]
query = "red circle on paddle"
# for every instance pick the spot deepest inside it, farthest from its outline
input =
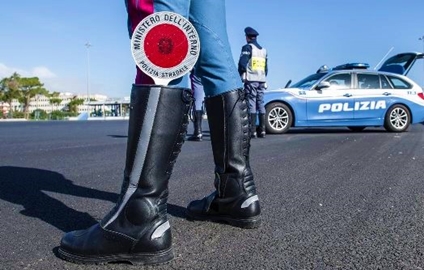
(166, 45)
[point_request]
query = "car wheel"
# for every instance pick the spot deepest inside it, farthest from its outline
(397, 118)
(356, 129)
(279, 118)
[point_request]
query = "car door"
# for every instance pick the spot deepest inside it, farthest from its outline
(333, 103)
(372, 96)
(401, 63)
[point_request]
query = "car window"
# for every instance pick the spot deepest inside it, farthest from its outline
(339, 81)
(398, 83)
(308, 81)
(385, 83)
(368, 81)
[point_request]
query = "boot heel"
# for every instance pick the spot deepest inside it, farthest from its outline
(156, 258)
(153, 258)
(195, 138)
(252, 223)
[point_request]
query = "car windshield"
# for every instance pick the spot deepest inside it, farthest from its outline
(308, 81)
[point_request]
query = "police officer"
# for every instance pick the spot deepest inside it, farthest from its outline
(199, 96)
(253, 69)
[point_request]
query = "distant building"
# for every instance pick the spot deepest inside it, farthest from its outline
(109, 107)
(99, 104)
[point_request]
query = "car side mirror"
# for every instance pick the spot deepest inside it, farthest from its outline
(322, 85)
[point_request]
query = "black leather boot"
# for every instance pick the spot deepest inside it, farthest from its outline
(197, 122)
(234, 201)
(261, 129)
(253, 133)
(137, 228)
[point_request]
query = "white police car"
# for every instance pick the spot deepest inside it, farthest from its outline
(350, 96)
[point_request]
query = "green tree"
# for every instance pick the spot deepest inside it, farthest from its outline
(9, 89)
(74, 103)
(1, 98)
(29, 88)
(39, 114)
(54, 100)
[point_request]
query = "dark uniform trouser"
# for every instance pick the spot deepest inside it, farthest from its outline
(255, 94)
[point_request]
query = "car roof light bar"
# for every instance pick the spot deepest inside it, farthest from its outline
(323, 69)
(352, 66)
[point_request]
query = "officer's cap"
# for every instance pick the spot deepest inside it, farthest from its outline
(250, 32)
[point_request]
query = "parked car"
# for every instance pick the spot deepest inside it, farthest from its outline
(350, 95)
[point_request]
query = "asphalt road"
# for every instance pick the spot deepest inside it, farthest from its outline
(331, 198)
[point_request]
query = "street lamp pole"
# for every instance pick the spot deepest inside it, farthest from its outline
(88, 45)
(422, 39)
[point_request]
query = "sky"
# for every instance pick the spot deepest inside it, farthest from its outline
(47, 38)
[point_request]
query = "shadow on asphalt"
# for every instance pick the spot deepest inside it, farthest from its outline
(332, 130)
(118, 136)
(205, 134)
(27, 187)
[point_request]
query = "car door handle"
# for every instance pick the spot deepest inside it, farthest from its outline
(347, 95)
(387, 94)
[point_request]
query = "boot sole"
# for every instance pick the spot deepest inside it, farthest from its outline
(194, 140)
(248, 223)
(135, 259)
